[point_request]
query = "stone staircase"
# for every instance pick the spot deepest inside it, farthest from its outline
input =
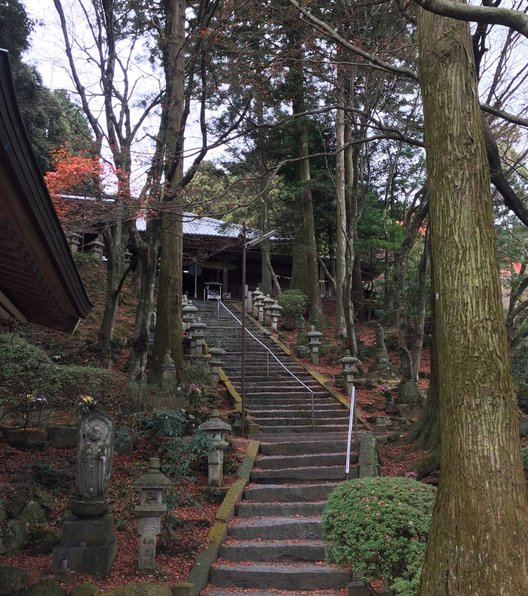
(274, 545)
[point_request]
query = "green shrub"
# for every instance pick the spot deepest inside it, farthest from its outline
(380, 527)
(294, 305)
(31, 381)
(181, 457)
(162, 423)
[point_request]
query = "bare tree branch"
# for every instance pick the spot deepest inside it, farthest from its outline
(514, 19)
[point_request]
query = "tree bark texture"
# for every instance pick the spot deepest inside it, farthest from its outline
(478, 543)
(305, 270)
(115, 244)
(341, 228)
(168, 335)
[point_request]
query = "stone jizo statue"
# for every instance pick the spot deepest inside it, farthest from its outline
(94, 458)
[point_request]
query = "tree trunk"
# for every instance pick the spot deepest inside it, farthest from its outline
(265, 247)
(115, 243)
(478, 543)
(416, 339)
(168, 335)
(147, 253)
(341, 227)
(305, 270)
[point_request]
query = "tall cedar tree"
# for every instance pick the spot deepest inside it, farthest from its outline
(479, 536)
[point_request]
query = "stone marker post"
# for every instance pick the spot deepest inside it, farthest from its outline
(151, 486)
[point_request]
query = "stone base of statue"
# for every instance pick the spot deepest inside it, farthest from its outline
(88, 545)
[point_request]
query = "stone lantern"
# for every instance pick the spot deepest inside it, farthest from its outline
(215, 362)
(189, 311)
(74, 241)
(314, 338)
(127, 257)
(268, 303)
(96, 248)
(350, 365)
(215, 428)
(150, 510)
(275, 312)
(260, 308)
(256, 295)
(198, 338)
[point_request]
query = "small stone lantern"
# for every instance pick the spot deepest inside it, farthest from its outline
(127, 257)
(275, 312)
(198, 338)
(268, 303)
(215, 428)
(349, 369)
(74, 241)
(314, 337)
(96, 248)
(215, 362)
(256, 295)
(189, 311)
(151, 486)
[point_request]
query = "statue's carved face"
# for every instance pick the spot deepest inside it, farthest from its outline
(95, 432)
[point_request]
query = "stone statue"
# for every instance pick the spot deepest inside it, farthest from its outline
(88, 544)
(94, 457)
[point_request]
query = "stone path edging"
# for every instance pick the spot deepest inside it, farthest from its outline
(199, 574)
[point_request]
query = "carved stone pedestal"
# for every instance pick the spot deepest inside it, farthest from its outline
(87, 545)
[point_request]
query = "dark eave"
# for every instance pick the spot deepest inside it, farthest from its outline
(39, 281)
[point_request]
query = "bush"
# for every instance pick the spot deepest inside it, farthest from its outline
(380, 527)
(182, 457)
(294, 304)
(162, 423)
(30, 380)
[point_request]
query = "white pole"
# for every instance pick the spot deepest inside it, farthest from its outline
(350, 425)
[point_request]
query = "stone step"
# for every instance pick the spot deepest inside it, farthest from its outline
(307, 445)
(288, 398)
(280, 576)
(278, 462)
(272, 550)
(273, 417)
(276, 528)
(287, 404)
(247, 509)
(300, 410)
(284, 493)
(290, 475)
(211, 591)
(302, 428)
(288, 393)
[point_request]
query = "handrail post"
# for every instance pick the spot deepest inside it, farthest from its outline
(350, 426)
(313, 414)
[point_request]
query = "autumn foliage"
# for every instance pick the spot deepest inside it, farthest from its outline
(70, 172)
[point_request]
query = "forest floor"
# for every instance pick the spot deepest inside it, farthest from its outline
(49, 472)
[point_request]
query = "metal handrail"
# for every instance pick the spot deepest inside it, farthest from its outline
(268, 353)
(351, 421)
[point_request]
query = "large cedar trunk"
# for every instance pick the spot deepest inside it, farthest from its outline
(478, 544)
(168, 335)
(115, 244)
